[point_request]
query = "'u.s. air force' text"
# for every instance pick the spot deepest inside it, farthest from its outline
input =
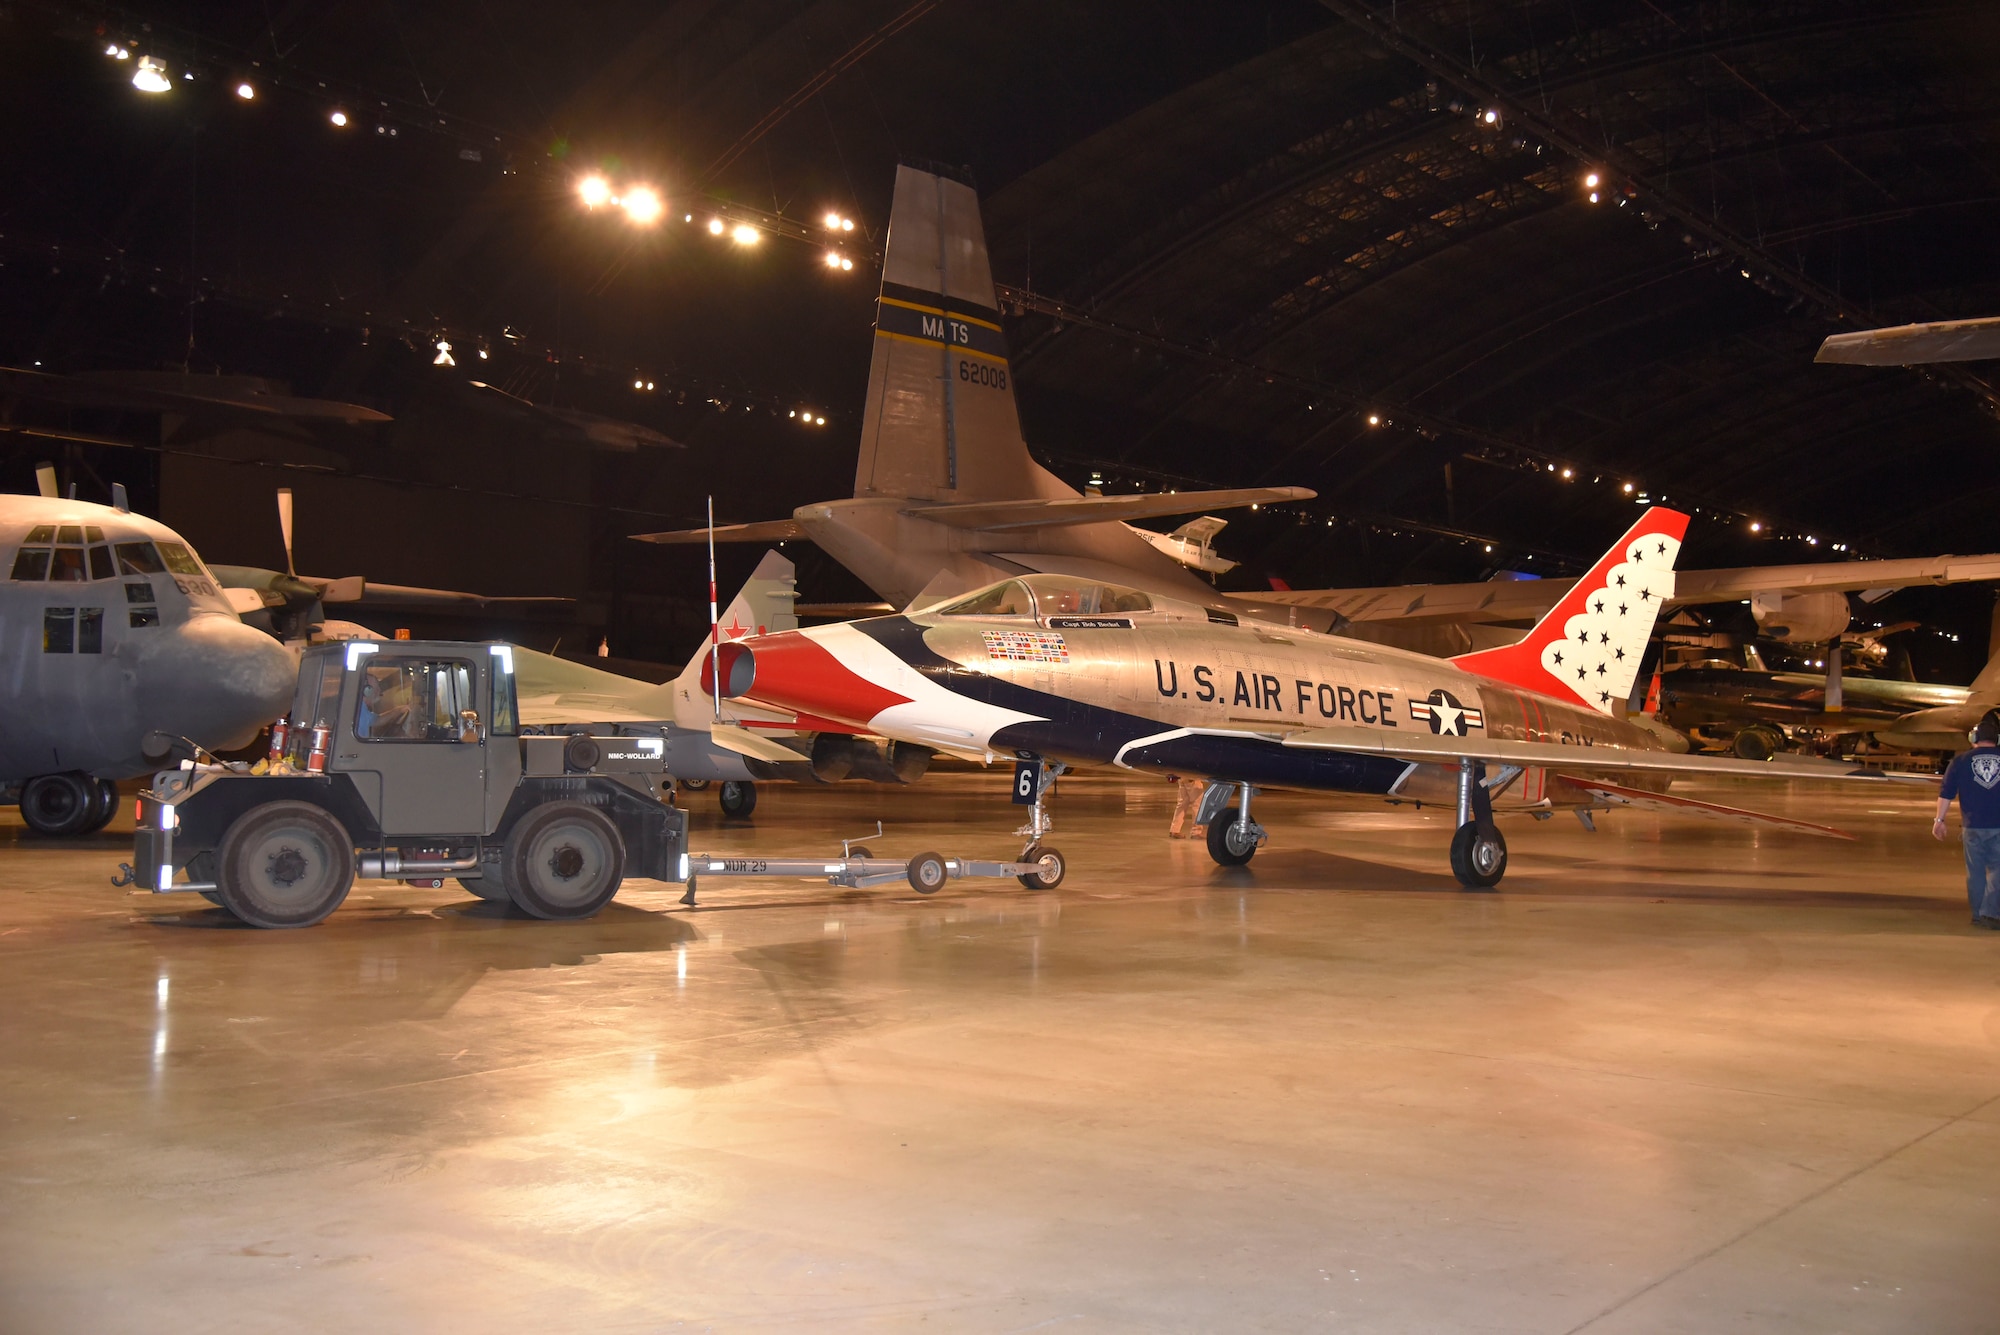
(1261, 690)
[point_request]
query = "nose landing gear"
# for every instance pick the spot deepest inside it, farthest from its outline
(1033, 780)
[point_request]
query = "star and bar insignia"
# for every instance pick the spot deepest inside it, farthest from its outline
(1447, 717)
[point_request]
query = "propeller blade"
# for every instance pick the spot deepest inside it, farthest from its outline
(45, 480)
(285, 527)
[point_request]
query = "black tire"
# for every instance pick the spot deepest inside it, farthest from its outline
(692, 785)
(1478, 855)
(60, 805)
(487, 887)
(106, 806)
(284, 864)
(1222, 841)
(859, 851)
(564, 860)
(213, 898)
(738, 800)
(928, 873)
(1053, 866)
(1751, 744)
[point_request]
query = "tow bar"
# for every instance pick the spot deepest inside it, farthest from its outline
(856, 868)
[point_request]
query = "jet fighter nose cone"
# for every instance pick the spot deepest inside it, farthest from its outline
(216, 681)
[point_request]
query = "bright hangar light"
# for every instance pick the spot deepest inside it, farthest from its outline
(151, 76)
(743, 234)
(715, 227)
(643, 205)
(594, 191)
(246, 91)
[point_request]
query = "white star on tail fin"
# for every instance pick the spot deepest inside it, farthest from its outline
(1590, 644)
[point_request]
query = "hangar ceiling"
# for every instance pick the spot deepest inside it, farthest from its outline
(1229, 236)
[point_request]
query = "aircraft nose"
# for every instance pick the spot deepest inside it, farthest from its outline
(217, 681)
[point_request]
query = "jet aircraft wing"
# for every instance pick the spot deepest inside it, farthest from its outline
(1060, 511)
(1435, 748)
(1912, 344)
(769, 530)
(1619, 796)
(167, 392)
(553, 690)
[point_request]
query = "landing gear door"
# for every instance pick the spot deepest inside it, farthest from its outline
(416, 723)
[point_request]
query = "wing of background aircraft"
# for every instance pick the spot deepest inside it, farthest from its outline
(1912, 344)
(165, 391)
(1523, 599)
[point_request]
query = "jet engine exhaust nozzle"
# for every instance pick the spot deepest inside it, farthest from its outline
(739, 671)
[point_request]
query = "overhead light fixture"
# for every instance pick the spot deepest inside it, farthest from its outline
(151, 76)
(444, 357)
(117, 52)
(846, 264)
(246, 92)
(594, 191)
(1566, 473)
(1628, 488)
(1756, 527)
(339, 119)
(638, 384)
(643, 205)
(832, 221)
(743, 234)
(1491, 117)
(1592, 181)
(1374, 419)
(1593, 196)
(715, 226)
(833, 259)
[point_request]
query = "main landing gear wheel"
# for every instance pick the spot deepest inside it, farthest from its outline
(692, 785)
(1228, 845)
(1050, 865)
(738, 800)
(61, 805)
(1478, 855)
(927, 873)
(564, 860)
(105, 808)
(284, 864)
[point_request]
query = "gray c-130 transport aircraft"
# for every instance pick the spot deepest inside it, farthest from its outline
(1060, 669)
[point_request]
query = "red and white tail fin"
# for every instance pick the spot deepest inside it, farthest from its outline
(1590, 644)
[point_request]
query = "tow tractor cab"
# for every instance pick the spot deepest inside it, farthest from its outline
(401, 760)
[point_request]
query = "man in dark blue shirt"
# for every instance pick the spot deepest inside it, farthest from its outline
(1974, 780)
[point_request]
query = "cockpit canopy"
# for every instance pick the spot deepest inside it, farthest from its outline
(1047, 596)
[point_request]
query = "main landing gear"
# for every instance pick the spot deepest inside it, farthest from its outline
(1050, 865)
(1233, 838)
(1478, 851)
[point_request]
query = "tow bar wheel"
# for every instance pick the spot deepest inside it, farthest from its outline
(927, 873)
(564, 860)
(284, 864)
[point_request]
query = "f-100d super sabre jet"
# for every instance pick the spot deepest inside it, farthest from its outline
(1057, 670)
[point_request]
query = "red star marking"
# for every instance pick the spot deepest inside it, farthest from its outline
(734, 631)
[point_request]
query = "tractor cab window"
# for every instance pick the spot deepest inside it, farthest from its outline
(506, 711)
(316, 704)
(1006, 599)
(1064, 596)
(415, 700)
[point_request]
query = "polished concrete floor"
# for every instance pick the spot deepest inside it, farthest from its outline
(1673, 1076)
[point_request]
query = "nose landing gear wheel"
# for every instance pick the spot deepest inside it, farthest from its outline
(1478, 855)
(738, 800)
(1228, 845)
(284, 864)
(564, 860)
(1050, 867)
(61, 804)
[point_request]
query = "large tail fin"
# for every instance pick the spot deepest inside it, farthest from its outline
(1590, 644)
(940, 422)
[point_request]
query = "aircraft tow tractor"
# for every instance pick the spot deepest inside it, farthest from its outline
(404, 760)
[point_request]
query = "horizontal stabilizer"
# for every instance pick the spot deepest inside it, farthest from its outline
(769, 530)
(1915, 344)
(1434, 747)
(1000, 515)
(1619, 796)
